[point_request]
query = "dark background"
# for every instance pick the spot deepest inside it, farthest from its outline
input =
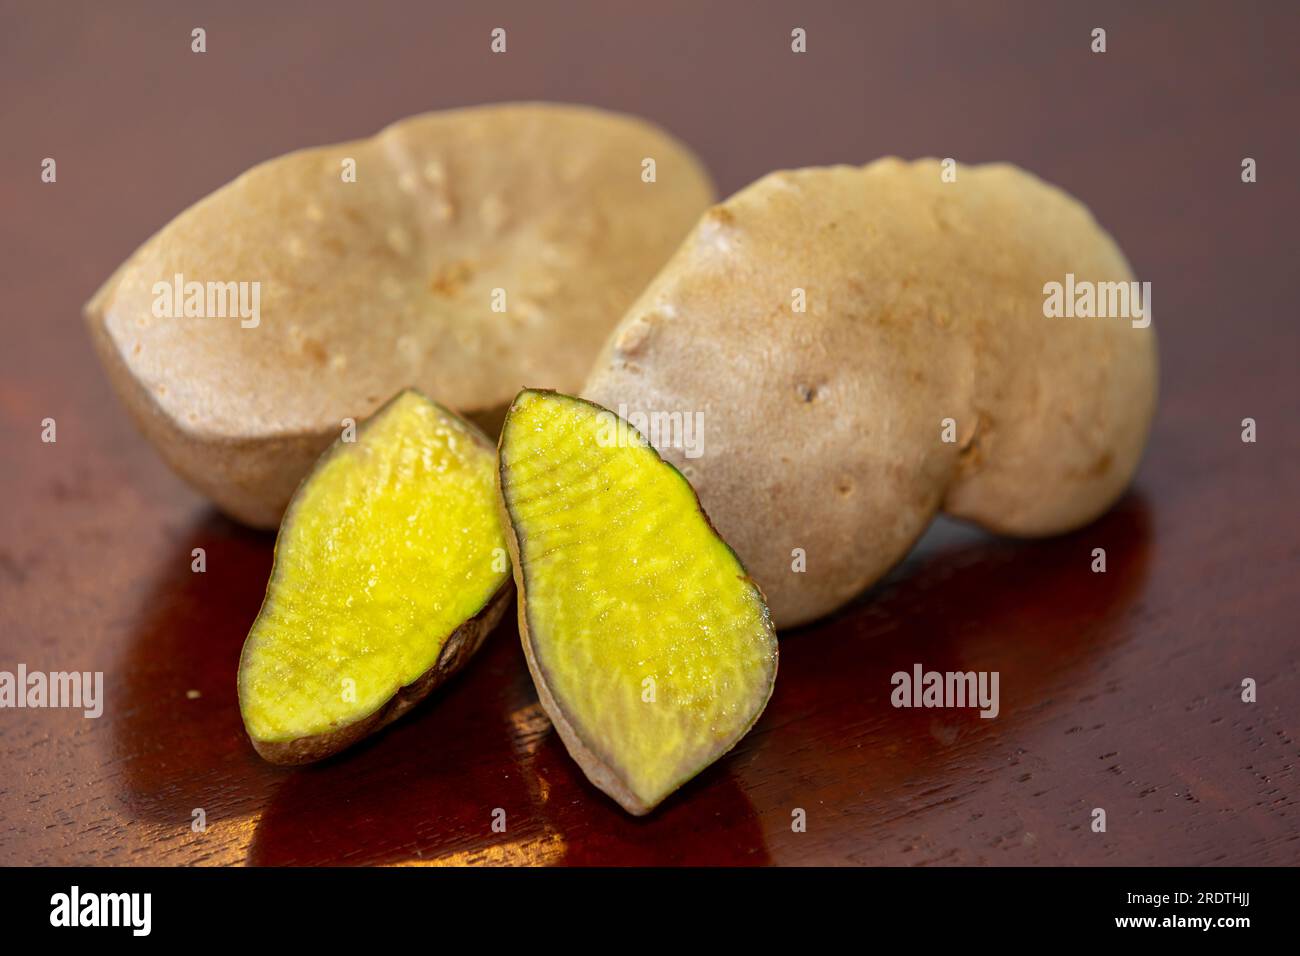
(1119, 691)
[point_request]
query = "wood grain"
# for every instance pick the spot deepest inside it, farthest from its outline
(1119, 691)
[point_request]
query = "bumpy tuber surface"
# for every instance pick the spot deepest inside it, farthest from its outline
(390, 569)
(461, 253)
(922, 373)
(652, 651)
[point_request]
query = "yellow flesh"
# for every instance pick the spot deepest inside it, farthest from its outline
(393, 543)
(625, 580)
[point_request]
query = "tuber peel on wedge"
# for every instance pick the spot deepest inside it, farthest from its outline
(390, 569)
(652, 650)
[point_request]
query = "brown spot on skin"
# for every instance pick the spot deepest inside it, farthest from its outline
(807, 392)
(1101, 465)
(720, 216)
(12, 568)
(971, 455)
(451, 278)
(314, 351)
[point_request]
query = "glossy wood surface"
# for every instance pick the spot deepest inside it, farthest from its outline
(1119, 691)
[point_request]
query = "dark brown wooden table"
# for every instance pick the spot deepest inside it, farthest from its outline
(1120, 691)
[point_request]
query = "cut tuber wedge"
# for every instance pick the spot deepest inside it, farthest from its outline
(652, 650)
(390, 569)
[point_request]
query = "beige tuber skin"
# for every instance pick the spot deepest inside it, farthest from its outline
(824, 430)
(464, 253)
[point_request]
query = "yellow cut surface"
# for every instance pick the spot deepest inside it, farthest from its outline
(649, 636)
(392, 543)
